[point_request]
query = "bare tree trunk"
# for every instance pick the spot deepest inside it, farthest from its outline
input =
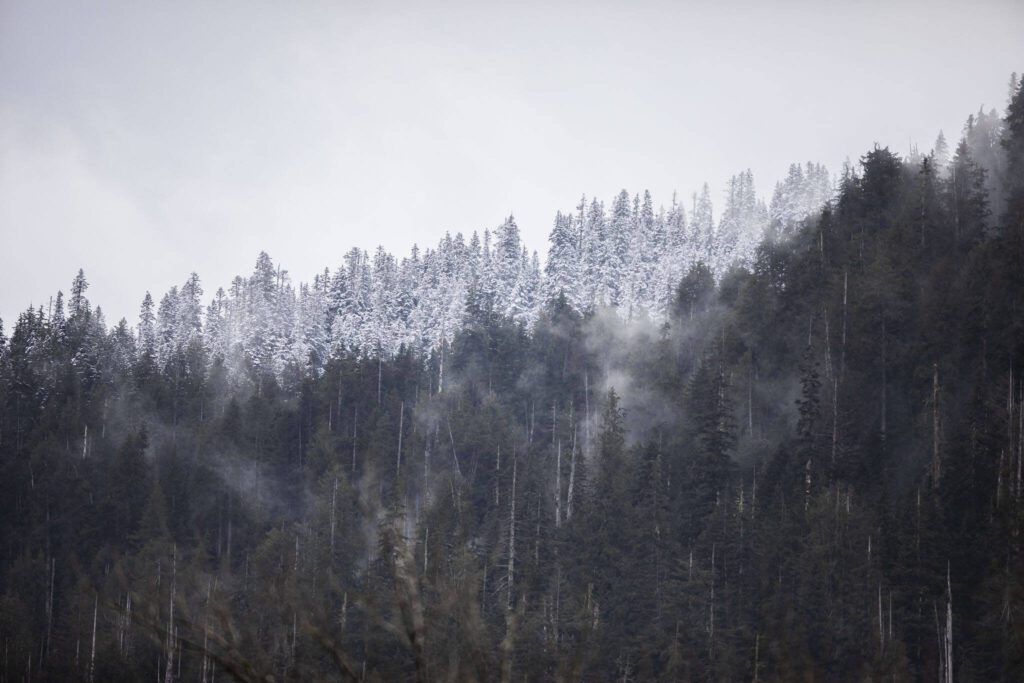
(483, 590)
(126, 624)
(401, 424)
(207, 662)
(428, 441)
(807, 484)
(835, 419)
(1015, 450)
(936, 462)
(228, 542)
(999, 478)
(344, 612)
(711, 612)
(949, 627)
(586, 406)
(558, 486)
(536, 538)
(558, 600)
(334, 507)
(842, 353)
(923, 204)
(440, 372)
(890, 615)
(750, 399)
(884, 382)
(171, 645)
(455, 455)
(881, 627)
(512, 534)
(533, 413)
(828, 347)
(956, 204)
(554, 424)
(49, 606)
(497, 473)
(753, 496)
(1020, 444)
(572, 478)
(355, 427)
(92, 657)
(757, 657)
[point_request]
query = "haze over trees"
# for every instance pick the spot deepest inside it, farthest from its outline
(756, 442)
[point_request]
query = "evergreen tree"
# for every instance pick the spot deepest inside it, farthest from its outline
(940, 153)
(563, 264)
(968, 198)
(79, 304)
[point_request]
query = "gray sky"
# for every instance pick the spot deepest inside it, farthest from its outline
(142, 141)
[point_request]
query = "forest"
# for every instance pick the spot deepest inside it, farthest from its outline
(786, 444)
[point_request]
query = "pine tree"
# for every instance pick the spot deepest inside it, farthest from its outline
(711, 405)
(702, 228)
(189, 312)
(79, 305)
(594, 241)
(1013, 144)
(967, 197)
(506, 262)
(563, 265)
(615, 258)
(167, 327)
(940, 153)
(673, 261)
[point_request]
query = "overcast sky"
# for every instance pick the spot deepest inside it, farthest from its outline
(143, 141)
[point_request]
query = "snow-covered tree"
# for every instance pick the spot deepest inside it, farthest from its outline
(562, 269)
(147, 327)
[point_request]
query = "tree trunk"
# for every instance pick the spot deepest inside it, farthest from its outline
(92, 656)
(711, 612)
(949, 627)
(558, 486)
(512, 535)
(572, 478)
(401, 424)
(455, 456)
(884, 382)
(334, 507)
(355, 426)
(936, 462)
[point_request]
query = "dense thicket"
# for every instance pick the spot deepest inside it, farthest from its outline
(811, 470)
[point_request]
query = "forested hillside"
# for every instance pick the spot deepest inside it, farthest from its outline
(786, 444)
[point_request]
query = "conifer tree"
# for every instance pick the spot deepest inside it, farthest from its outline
(563, 264)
